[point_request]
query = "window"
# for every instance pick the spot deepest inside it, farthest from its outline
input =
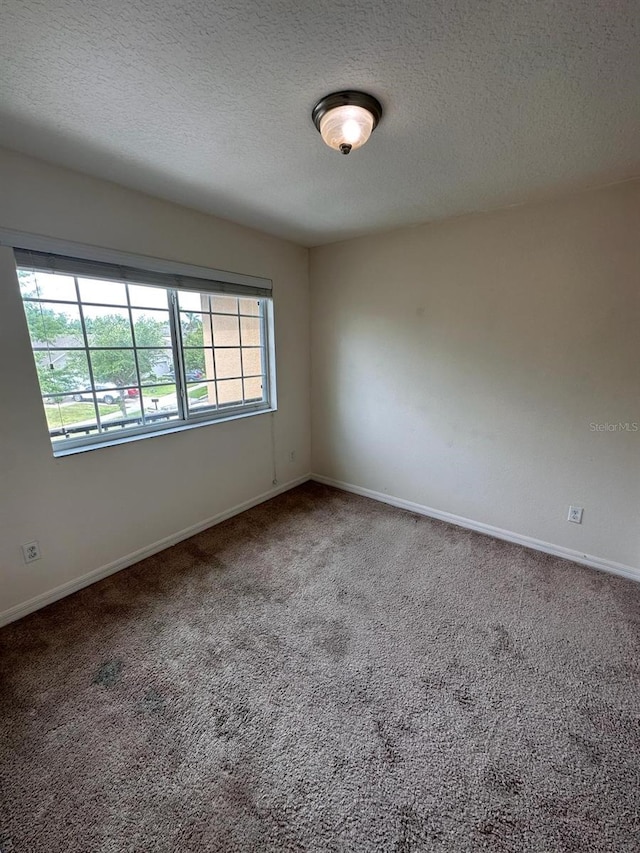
(125, 352)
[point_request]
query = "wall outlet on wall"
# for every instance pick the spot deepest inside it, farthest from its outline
(292, 456)
(31, 552)
(575, 514)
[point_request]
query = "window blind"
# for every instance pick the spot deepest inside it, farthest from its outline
(48, 262)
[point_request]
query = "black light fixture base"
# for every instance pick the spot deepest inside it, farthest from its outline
(343, 99)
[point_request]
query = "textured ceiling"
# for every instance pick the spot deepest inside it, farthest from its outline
(207, 102)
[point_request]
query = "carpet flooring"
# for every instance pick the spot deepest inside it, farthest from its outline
(326, 673)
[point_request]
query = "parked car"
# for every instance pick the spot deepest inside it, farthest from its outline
(191, 375)
(107, 393)
(132, 392)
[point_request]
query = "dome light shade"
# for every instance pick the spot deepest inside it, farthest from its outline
(346, 119)
(349, 126)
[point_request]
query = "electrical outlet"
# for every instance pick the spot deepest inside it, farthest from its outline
(31, 552)
(292, 456)
(575, 514)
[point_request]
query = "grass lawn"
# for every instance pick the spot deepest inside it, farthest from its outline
(158, 391)
(75, 413)
(198, 393)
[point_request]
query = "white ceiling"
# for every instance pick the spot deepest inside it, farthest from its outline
(207, 102)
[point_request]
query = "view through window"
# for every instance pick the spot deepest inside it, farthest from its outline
(116, 358)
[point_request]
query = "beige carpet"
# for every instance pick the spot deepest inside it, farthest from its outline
(325, 673)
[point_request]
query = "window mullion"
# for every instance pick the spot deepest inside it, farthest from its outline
(244, 396)
(213, 354)
(135, 357)
(264, 346)
(88, 354)
(178, 359)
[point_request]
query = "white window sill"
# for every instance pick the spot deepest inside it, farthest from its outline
(60, 452)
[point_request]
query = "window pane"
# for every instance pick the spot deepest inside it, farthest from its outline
(54, 323)
(130, 397)
(251, 329)
(54, 420)
(61, 371)
(148, 297)
(107, 327)
(253, 389)
(124, 413)
(159, 403)
(156, 365)
(251, 361)
(114, 368)
(27, 282)
(226, 331)
(56, 400)
(74, 418)
(160, 388)
(198, 364)
(111, 412)
(151, 328)
(224, 304)
(250, 306)
(228, 363)
(229, 392)
(188, 300)
(43, 285)
(105, 292)
(209, 366)
(196, 329)
(201, 395)
(103, 392)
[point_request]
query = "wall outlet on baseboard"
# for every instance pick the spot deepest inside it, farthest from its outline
(575, 514)
(31, 552)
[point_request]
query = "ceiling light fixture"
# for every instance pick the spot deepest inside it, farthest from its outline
(346, 120)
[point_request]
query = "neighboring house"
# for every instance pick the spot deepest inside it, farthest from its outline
(58, 352)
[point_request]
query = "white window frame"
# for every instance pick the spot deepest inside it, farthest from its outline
(173, 277)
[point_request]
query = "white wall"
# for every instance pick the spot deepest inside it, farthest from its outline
(94, 508)
(459, 366)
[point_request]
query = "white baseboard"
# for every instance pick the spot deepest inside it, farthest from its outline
(518, 538)
(65, 589)
(70, 587)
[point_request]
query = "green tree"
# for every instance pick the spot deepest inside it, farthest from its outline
(52, 327)
(194, 358)
(46, 325)
(54, 379)
(191, 320)
(119, 365)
